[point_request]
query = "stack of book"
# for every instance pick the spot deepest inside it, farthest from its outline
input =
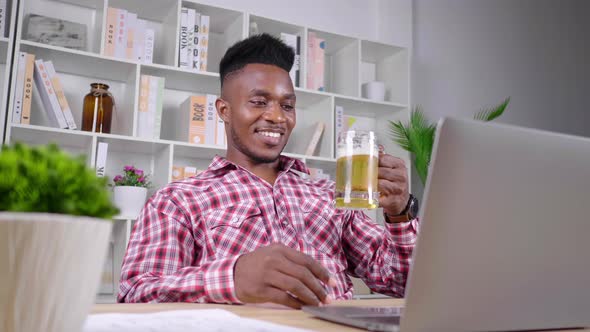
(199, 122)
(151, 97)
(316, 51)
(3, 18)
(193, 40)
(183, 172)
(128, 37)
(51, 92)
(294, 42)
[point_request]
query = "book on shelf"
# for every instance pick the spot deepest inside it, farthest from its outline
(3, 18)
(151, 97)
(28, 89)
(57, 32)
(61, 97)
(183, 172)
(203, 42)
(127, 36)
(189, 171)
(183, 39)
(293, 41)
(316, 48)
(193, 40)
(47, 95)
(315, 139)
(21, 111)
(199, 122)
(19, 88)
(101, 159)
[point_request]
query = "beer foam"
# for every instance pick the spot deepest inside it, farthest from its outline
(342, 151)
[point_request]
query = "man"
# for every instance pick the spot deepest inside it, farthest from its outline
(252, 227)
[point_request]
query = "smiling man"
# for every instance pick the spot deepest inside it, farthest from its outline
(253, 227)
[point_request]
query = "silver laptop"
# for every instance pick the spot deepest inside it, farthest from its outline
(504, 242)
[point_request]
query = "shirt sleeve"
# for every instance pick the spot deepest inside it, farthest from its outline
(380, 255)
(158, 265)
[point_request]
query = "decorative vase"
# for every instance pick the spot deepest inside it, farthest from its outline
(51, 267)
(98, 109)
(129, 199)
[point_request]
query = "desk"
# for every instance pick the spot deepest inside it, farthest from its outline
(266, 312)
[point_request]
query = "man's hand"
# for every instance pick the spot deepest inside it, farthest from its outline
(393, 184)
(279, 274)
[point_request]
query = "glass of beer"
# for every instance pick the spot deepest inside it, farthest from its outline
(357, 162)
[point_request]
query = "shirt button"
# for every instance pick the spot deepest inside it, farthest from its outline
(285, 223)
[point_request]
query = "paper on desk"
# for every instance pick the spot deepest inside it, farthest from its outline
(217, 320)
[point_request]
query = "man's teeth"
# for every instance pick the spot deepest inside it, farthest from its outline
(269, 134)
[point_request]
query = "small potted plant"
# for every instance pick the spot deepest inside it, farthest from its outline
(130, 191)
(54, 233)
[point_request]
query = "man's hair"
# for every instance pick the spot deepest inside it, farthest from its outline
(262, 48)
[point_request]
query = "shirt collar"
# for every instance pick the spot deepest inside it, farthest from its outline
(285, 164)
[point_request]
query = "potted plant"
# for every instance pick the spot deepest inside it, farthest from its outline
(54, 232)
(417, 136)
(130, 191)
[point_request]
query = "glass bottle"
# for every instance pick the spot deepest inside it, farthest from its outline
(98, 106)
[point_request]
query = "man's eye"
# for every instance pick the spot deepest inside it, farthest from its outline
(258, 102)
(288, 107)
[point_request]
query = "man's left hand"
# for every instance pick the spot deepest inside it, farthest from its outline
(393, 184)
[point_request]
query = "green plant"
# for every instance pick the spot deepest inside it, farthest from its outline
(417, 136)
(132, 177)
(46, 179)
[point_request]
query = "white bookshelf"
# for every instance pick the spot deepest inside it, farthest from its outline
(6, 59)
(349, 63)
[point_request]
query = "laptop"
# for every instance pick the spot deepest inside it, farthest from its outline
(504, 242)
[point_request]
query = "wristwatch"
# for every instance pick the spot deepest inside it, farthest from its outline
(410, 212)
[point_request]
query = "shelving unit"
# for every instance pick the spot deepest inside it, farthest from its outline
(349, 63)
(6, 59)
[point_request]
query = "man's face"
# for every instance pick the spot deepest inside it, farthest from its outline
(259, 112)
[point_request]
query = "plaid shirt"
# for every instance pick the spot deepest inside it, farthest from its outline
(189, 235)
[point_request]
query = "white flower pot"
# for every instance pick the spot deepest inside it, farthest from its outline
(50, 270)
(130, 200)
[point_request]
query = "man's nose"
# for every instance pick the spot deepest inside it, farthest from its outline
(275, 113)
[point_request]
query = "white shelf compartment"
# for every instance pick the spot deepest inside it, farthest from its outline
(275, 28)
(74, 142)
(311, 109)
(226, 28)
(150, 156)
(383, 113)
(87, 12)
(179, 85)
(389, 64)
(77, 70)
(162, 17)
(342, 61)
(198, 156)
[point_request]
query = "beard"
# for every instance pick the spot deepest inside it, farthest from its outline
(258, 158)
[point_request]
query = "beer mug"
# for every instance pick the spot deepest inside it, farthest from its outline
(357, 160)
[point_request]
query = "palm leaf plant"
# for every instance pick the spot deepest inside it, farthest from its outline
(417, 137)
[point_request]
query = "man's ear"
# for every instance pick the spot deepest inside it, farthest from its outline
(223, 109)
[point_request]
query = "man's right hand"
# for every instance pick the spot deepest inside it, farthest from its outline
(283, 275)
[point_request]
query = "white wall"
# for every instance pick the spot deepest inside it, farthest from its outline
(380, 20)
(473, 53)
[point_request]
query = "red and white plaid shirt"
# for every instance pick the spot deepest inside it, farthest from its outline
(189, 235)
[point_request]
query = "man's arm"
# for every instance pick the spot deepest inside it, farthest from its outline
(380, 255)
(159, 265)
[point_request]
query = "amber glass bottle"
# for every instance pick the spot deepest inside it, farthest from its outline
(101, 102)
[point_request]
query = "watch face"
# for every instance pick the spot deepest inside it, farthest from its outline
(414, 208)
